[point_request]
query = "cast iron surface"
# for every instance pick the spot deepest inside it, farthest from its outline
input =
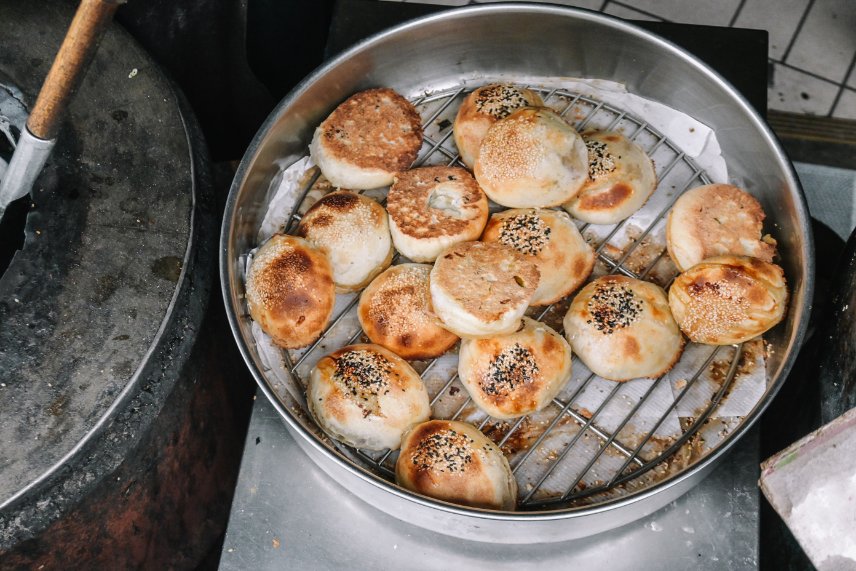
(548, 41)
(102, 305)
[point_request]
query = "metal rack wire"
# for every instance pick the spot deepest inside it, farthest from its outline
(437, 149)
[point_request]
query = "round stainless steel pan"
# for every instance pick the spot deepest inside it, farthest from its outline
(513, 40)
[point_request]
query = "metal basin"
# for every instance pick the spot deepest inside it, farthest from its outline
(520, 41)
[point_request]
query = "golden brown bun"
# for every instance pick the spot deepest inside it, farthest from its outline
(622, 329)
(515, 374)
(728, 299)
(366, 397)
(563, 257)
(394, 312)
(431, 208)
(290, 291)
(621, 178)
(367, 139)
(354, 231)
(715, 220)
(455, 462)
(532, 159)
(482, 289)
(484, 107)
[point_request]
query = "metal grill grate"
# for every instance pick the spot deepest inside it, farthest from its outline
(676, 174)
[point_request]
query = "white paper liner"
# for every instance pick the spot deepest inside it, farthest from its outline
(696, 141)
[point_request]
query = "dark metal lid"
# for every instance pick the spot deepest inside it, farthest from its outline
(84, 303)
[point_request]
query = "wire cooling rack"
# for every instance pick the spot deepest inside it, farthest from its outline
(567, 454)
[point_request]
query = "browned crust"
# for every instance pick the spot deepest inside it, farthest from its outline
(408, 203)
(711, 220)
(374, 129)
(724, 299)
(324, 213)
(394, 313)
(615, 196)
(471, 485)
(470, 272)
(290, 294)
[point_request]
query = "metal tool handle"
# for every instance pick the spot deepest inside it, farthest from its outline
(69, 67)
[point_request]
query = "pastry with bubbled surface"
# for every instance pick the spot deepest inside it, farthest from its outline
(728, 299)
(716, 220)
(482, 289)
(431, 208)
(453, 461)
(367, 139)
(354, 231)
(550, 238)
(484, 107)
(622, 329)
(532, 159)
(621, 178)
(290, 290)
(394, 312)
(516, 374)
(366, 397)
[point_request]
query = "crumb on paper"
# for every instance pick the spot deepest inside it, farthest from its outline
(275, 543)
(133, 73)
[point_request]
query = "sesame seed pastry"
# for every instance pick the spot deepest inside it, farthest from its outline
(431, 208)
(455, 462)
(366, 397)
(482, 289)
(621, 178)
(551, 239)
(484, 107)
(290, 290)
(367, 139)
(715, 220)
(728, 299)
(394, 312)
(532, 159)
(622, 329)
(354, 231)
(516, 374)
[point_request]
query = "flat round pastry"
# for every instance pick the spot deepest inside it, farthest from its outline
(715, 220)
(290, 290)
(354, 231)
(621, 177)
(482, 289)
(728, 299)
(455, 462)
(532, 159)
(431, 208)
(622, 329)
(551, 239)
(394, 312)
(484, 107)
(367, 139)
(516, 374)
(366, 397)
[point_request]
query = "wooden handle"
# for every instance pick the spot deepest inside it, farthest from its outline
(70, 65)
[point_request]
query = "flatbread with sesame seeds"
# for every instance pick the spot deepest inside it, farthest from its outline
(532, 159)
(728, 299)
(453, 461)
(354, 231)
(484, 107)
(482, 289)
(394, 313)
(622, 329)
(367, 139)
(621, 178)
(290, 290)
(516, 374)
(550, 238)
(366, 396)
(715, 220)
(431, 208)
